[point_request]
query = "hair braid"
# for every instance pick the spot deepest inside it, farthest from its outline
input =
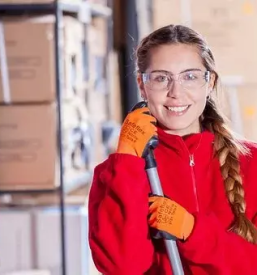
(227, 149)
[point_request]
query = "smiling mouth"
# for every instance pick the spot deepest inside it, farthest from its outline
(178, 109)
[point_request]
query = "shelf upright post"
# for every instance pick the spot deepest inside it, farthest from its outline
(59, 85)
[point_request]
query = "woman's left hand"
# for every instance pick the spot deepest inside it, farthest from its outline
(169, 218)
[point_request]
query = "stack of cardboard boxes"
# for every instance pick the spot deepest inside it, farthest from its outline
(28, 114)
(104, 99)
(30, 240)
(90, 97)
(229, 28)
(28, 135)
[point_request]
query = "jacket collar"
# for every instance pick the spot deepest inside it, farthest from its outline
(189, 144)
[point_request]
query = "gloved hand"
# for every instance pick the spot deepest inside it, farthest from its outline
(137, 130)
(169, 218)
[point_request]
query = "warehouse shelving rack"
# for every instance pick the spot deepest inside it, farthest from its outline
(80, 10)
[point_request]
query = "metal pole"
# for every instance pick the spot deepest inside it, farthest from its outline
(59, 79)
(171, 246)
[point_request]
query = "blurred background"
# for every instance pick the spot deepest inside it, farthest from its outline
(67, 79)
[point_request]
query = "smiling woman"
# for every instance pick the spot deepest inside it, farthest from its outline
(207, 174)
(177, 105)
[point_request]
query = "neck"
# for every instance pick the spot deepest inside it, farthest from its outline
(192, 129)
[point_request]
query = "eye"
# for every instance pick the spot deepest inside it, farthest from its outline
(161, 78)
(190, 76)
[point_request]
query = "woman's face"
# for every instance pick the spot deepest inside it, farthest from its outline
(174, 86)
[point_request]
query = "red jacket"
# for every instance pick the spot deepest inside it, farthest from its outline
(118, 208)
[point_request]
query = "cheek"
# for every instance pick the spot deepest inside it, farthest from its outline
(154, 98)
(198, 97)
(199, 101)
(155, 103)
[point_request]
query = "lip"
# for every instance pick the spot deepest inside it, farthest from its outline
(180, 105)
(173, 113)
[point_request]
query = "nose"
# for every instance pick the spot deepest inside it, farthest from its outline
(175, 89)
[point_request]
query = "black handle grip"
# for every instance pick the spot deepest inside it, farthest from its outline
(151, 145)
(140, 104)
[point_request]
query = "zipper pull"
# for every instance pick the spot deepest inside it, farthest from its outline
(191, 160)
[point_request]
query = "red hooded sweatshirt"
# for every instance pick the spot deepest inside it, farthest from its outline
(190, 175)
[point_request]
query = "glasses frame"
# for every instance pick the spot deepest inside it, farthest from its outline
(206, 76)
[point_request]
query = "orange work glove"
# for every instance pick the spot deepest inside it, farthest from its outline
(137, 130)
(169, 218)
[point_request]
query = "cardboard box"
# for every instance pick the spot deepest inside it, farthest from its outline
(78, 143)
(31, 238)
(100, 28)
(228, 26)
(97, 100)
(48, 240)
(15, 241)
(97, 51)
(28, 146)
(73, 59)
(29, 58)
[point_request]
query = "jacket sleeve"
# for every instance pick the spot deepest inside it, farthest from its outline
(220, 252)
(118, 209)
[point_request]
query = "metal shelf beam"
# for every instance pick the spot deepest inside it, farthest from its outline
(49, 8)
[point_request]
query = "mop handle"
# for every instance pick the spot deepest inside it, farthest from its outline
(156, 189)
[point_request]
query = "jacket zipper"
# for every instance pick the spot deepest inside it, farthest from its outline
(192, 164)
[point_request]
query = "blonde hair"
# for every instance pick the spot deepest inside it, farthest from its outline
(227, 148)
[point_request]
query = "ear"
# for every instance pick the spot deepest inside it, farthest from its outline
(141, 86)
(211, 83)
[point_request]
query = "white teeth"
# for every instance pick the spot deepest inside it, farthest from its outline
(178, 109)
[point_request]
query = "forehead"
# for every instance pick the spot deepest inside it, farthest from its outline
(175, 58)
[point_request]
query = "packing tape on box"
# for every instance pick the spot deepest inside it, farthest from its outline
(4, 67)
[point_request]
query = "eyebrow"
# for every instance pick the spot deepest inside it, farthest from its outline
(187, 70)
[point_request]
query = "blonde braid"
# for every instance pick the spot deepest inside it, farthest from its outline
(227, 149)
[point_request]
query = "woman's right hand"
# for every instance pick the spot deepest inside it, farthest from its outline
(136, 132)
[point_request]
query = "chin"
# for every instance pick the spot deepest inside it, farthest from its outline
(175, 126)
(178, 129)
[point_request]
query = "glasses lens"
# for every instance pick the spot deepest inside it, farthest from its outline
(157, 81)
(193, 79)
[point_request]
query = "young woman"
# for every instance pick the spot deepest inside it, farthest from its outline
(208, 176)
